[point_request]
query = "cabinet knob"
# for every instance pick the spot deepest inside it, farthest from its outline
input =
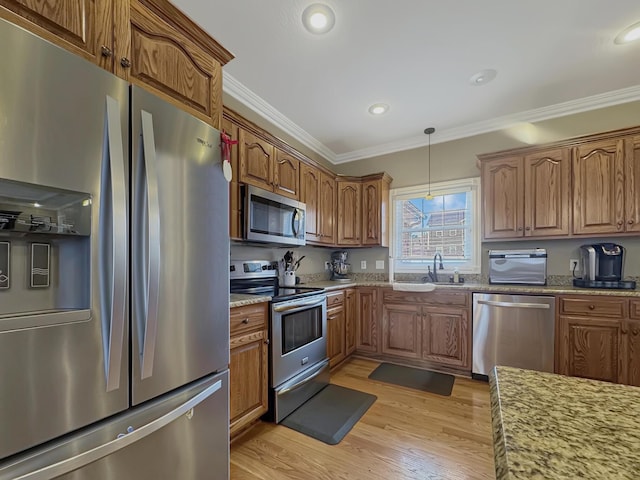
(125, 62)
(592, 307)
(620, 224)
(519, 229)
(528, 228)
(245, 321)
(630, 222)
(105, 51)
(267, 341)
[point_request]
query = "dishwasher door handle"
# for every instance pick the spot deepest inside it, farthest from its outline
(541, 306)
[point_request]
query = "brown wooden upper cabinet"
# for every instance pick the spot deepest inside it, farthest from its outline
(84, 28)
(527, 196)
(263, 165)
(349, 212)
(606, 186)
(148, 42)
(375, 210)
(318, 193)
(286, 175)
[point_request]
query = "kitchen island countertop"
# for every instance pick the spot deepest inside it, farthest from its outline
(548, 426)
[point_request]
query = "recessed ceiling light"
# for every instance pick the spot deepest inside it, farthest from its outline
(629, 34)
(318, 18)
(378, 108)
(483, 77)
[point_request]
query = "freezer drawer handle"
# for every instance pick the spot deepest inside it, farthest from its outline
(113, 245)
(122, 441)
(541, 306)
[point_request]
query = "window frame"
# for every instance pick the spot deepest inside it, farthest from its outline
(472, 185)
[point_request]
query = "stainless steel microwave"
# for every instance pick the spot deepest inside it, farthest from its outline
(272, 218)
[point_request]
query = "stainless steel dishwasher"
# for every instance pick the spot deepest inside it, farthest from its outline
(512, 330)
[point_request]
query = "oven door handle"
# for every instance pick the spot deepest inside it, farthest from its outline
(299, 384)
(298, 306)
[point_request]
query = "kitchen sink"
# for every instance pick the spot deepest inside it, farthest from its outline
(414, 286)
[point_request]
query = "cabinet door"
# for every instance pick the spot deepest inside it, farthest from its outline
(310, 196)
(401, 330)
(327, 209)
(235, 207)
(631, 338)
(632, 183)
(349, 213)
(503, 198)
(371, 215)
(445, 336)
(367, 320)
(248, 376)
(255, 158)
(590, 348)
(172, 65)
(84, 28)
(286, 175)
(350, 320)
(335, 335)
(546, 193)
(598, 184)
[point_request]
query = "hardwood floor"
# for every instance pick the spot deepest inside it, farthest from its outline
(406, 434)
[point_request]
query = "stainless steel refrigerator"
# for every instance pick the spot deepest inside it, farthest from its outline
(114, 253)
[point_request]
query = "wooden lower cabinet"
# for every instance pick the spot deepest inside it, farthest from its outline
(599, 338)
(367, 320)
(350, 319)
(446, 336)
(336, 350)
(248, 366)
(401, 329)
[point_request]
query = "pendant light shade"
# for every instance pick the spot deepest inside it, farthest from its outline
(428, 132)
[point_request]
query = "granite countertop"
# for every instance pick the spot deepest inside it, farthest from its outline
(487, 287)
(240, 300)
(548, 426)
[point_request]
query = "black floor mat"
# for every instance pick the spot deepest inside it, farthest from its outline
(425, 380)
(330, 414)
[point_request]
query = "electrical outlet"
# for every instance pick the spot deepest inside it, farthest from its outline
(379, 264)
(327, 265)
(363, 264)
(574, 265)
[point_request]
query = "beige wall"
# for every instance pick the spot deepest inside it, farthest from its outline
(457, 159)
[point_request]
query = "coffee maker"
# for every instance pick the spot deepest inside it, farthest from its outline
(340, 269)
(602, 265)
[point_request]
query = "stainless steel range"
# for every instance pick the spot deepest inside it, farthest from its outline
(298, 363)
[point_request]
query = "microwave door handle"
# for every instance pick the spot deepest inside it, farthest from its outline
(294, 217)
(112, 252)
(149, 320)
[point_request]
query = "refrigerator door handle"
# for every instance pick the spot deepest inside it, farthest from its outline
(122, 440)
(113, 250)
(152, 246)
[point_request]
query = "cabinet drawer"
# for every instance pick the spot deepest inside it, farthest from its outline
(635, 309)
(594, 307)
(335, 298)
(431, 298)
(247, 318)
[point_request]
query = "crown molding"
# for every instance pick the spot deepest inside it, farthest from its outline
(238, 91)
(245, 96)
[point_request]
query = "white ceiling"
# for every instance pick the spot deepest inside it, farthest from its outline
(553, 57)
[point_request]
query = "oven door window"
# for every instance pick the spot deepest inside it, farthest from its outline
(301, 328)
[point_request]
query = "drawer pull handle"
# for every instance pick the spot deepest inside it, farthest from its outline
(245, 321)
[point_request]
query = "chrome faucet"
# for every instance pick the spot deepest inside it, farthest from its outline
(440, 267)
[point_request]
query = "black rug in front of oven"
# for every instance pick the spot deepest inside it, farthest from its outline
(330, 414)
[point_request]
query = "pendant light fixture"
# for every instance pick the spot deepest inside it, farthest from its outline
(429, 131)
